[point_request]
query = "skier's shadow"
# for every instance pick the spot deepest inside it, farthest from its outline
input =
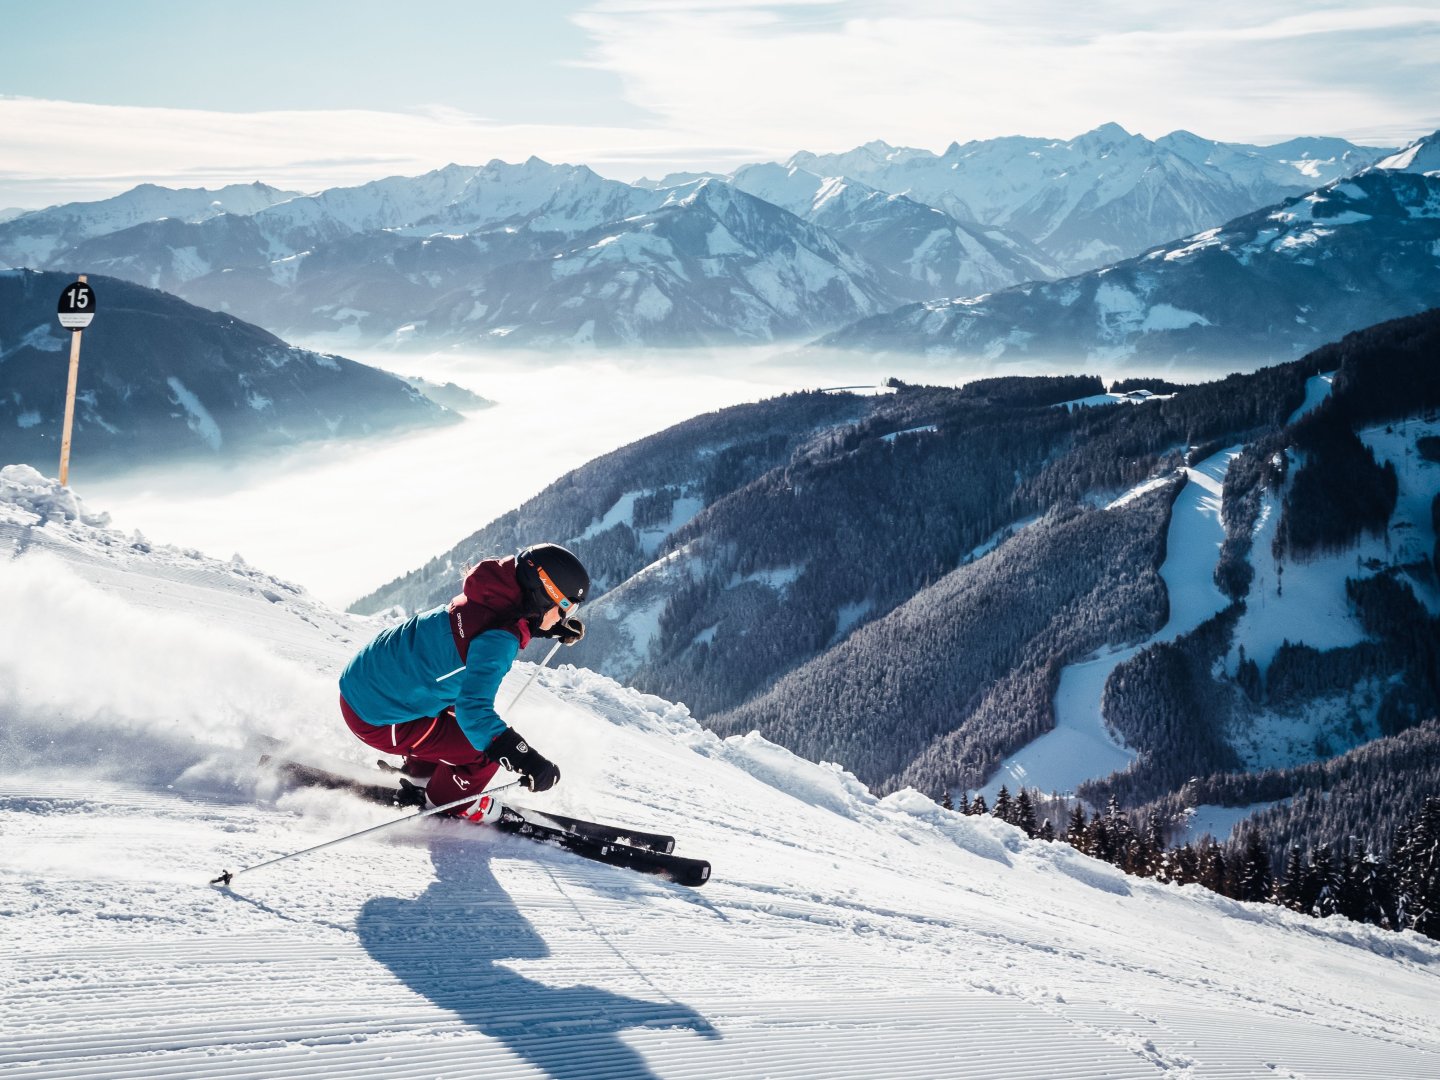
(449, 944)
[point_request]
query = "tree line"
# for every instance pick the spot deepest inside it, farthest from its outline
(1396, 887)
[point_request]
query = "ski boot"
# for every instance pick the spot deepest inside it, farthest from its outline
(483, 811)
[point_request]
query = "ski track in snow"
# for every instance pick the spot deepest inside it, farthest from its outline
(841, 936)
(1081, 746)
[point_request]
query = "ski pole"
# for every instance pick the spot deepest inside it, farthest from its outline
(226, 876)
(533, 674)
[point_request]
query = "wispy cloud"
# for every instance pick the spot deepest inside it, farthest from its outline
(57, 150)
(926, 72)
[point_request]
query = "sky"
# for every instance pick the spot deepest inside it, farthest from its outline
(309, 95)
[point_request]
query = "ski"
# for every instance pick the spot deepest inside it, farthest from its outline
(613, 845)
(601, 833)
(677, 868)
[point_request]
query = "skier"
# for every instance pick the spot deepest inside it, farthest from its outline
(425, 689)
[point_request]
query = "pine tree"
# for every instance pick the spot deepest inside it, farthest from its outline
(978, 806)
(1047, 831)
(1366, 894)
(1254, 881)
(1417, 872)
(1004, 806)
(1324, 885)
(1290, 889)
(1025, 814)
(1123, 844)
(1076, 834)
(1099, 841)
(946, 801)
(1185, 865)
(1211, 871)
(1153, 848)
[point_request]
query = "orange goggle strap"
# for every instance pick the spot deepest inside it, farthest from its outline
(552, 590)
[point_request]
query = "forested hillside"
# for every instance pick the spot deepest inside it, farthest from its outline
(898, 582)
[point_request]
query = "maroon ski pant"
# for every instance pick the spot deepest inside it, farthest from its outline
(460, 769)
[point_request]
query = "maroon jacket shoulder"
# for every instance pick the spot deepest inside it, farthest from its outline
(490, 599)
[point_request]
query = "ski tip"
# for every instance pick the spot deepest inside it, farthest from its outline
(223, 880)
(692, 875)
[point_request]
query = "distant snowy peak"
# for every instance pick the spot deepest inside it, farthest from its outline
(1299, 163)
(928, 252)
(873, 156)
(675, 179)
(1422, 156)
(790, 187)
(29, 239)
(709, 265)
(542, 197)
(381, 204)
(1102, 196)
(713, 263)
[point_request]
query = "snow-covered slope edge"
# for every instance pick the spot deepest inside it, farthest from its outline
(841, 935)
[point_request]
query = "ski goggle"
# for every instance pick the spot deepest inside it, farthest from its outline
(563, 602)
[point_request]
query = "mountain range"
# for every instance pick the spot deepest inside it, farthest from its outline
(163, 380)
(1277, 282)
(1104, 195)
(909, 584)
(556, 256)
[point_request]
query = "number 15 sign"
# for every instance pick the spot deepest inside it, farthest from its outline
(77, 305)
(76, 310)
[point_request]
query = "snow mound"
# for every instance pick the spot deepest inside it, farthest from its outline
(27, 489)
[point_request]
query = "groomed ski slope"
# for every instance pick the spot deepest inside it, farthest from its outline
(841, 936)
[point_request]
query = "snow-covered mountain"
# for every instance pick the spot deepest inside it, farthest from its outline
(33, 238)
(1102, 196)
(923, 251)
(171, 254)
(1270, 285)
(1268, 172)
(709, 264)
(541, 197)
(161, 379)
(531, 254)
(841, 936)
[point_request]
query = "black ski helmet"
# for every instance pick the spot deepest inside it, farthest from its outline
(548, 573)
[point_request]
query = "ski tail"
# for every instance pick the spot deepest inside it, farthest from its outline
(310, 776)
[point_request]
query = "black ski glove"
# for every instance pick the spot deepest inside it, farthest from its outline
(537, 771)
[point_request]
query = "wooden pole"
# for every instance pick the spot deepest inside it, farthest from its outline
(70, 404)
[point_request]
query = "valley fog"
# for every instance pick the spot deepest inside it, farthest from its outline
(343, 518)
